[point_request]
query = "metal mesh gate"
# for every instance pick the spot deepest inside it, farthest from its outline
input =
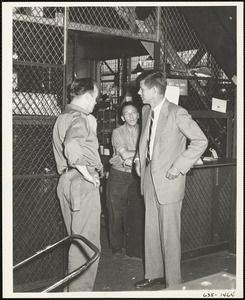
(182, 52)
(37, 223)
(205, 217)
(38, 74)
(114, 20)
(181, 47)
(204, 223)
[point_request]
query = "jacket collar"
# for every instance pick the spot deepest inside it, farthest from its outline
(165, 108)
(71, 107)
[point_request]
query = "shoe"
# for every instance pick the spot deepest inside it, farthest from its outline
(148, 282)
(117, 251)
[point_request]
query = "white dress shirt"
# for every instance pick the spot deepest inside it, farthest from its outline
(156, 110)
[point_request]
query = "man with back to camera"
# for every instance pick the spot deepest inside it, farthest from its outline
(162, 162)
(75, 147)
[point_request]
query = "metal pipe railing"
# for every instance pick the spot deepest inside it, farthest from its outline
(74, 273)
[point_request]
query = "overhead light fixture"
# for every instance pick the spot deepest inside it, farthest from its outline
(138, 69)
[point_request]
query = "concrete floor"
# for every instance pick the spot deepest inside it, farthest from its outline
(119, 273)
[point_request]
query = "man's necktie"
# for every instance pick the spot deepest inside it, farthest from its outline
(148, 157)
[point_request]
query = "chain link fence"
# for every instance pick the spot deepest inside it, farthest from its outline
(205, 216)
(38, 72)
(180, 46)
(37, 223)
(114, 20)
(183, 51)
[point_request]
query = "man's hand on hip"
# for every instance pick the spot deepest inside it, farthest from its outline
(172, 173)
(93, 178)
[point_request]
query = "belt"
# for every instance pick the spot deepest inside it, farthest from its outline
(90, 169)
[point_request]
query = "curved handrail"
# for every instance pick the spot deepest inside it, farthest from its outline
(73, 273)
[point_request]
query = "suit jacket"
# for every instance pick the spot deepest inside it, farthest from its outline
(174, 126)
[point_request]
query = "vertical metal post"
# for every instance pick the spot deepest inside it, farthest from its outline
(229, 135)
(75, 56)
(165, 41)
(118, 78)
(157, 44)
(65, 24)
(233, 218)
(156, 55)
(158, 12)
(129, 63)
(124, 75)
(215, 205)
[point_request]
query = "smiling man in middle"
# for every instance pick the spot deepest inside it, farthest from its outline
(124, 141)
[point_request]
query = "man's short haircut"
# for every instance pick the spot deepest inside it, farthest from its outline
(81, 86)
(127, 103)
(154, 78)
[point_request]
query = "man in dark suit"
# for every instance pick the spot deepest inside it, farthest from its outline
(162, 163)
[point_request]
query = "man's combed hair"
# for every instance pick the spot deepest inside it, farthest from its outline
(127, 103)
(81, 86)
(154, 78)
